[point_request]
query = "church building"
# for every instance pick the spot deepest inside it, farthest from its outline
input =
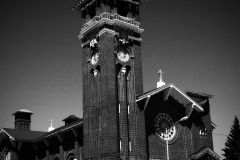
(120, 121)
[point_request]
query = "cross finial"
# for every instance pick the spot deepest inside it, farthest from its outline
(160, 83)
(51, 126)
(51, 122)
(160, 75)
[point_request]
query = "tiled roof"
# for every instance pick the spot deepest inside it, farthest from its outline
(198, 94)
(23, 135)
(61, 129)
(71, 117)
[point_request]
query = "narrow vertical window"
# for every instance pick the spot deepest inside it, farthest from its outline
(128, 109)
(130, 146)
(119, 108)
(128, 77)
(203, 131)
(120, 145)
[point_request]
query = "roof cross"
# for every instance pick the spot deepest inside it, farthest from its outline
(160, 83)
(51, 126)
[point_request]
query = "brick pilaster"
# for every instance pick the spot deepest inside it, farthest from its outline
(61, 153)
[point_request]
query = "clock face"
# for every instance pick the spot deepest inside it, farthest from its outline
(123, 56)
(95, 57)
(163, 122)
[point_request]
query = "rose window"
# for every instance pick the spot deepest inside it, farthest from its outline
(164, 129)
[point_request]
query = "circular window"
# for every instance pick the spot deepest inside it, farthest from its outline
(164, 129)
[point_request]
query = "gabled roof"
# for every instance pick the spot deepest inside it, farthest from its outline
(176, 93)
(206, 151)
(61, 129)
(22, 135)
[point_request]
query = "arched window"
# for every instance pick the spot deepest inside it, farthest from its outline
(8, 155)
(203, 131)
(71, 156)
(56, 158)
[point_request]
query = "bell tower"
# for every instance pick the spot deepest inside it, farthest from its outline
(112, 77)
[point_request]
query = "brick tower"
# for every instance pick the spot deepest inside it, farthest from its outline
(23, 119)
(112, 77)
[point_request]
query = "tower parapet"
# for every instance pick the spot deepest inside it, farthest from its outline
(118, 17)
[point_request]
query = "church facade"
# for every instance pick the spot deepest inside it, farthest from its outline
(120, 121)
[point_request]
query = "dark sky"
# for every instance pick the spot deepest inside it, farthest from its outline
(195, 42)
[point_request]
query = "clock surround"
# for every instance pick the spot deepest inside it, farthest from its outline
(123, 55)
(95, 56)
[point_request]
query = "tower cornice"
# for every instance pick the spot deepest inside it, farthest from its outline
(111, 32)
(111, 19)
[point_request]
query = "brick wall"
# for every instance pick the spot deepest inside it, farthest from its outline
(201, 121)
(189, 140)
(100, 102)
(103, 127)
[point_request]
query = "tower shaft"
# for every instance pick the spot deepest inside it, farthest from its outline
(112, 77)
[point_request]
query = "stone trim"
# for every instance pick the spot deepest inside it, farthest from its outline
(110, 19)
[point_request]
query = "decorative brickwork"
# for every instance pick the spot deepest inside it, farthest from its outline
(119, 120)
(113, 123)
(110, 116)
